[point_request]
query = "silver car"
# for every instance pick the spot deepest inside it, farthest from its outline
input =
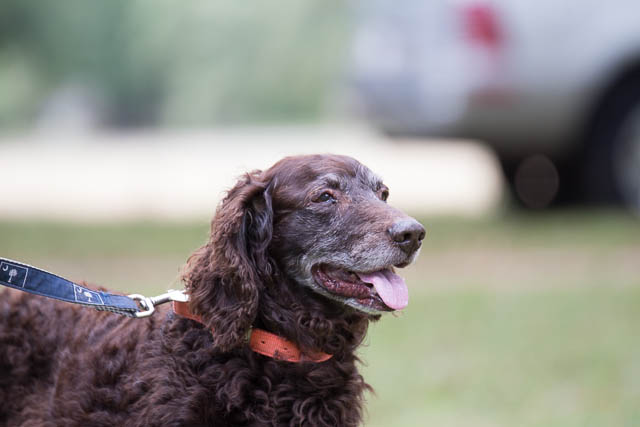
(553, 86)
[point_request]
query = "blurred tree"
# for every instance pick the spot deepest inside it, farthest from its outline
(163, 62)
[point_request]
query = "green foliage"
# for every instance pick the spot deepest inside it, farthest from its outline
(174, 63)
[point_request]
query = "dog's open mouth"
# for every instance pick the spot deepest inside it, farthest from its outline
(381, 290)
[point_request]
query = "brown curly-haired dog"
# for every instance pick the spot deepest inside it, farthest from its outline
(304, 250)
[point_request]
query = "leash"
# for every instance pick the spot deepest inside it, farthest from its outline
(27, 278)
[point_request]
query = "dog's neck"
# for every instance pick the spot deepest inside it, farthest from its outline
(318, 324)
(263, 342)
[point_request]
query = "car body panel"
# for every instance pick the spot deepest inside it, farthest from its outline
(417, 71)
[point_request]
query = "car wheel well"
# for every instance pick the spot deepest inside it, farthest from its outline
(627, 75)
(604, 137)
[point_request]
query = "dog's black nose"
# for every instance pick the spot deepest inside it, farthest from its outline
(408, 234)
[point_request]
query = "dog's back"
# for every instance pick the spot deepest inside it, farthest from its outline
(54, 356)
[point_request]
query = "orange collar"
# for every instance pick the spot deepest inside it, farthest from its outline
(263, 342)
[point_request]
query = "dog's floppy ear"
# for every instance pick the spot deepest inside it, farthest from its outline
(223, 278)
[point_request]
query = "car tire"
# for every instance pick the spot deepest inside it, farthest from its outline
(612, 150)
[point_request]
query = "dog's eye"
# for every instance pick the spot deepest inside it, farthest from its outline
(325, 197)
(384, 195)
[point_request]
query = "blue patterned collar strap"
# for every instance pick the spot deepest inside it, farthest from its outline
(26, 278)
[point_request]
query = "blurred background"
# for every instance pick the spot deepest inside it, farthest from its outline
(510, 129)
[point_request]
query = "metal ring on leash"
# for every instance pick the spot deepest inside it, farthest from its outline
(146, 303)
(149, 303)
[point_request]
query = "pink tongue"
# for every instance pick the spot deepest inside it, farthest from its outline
(389, 286)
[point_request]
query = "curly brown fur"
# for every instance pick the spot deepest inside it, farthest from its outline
(61, 365)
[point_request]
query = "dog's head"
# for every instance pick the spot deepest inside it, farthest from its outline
(311, 227)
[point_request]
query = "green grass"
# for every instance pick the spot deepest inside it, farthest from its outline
(607, 228)
(513, 321)
(532, 358)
